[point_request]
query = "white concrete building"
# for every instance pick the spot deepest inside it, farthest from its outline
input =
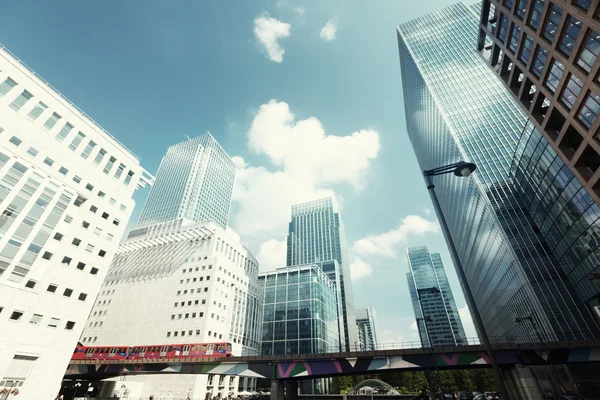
(179, 282)
(66, 189)
(366, 321)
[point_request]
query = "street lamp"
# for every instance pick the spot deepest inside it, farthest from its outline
(463, 169)
(420, 292)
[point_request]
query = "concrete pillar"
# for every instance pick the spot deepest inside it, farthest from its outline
(277, 390)
(521, 383)
(291, 390)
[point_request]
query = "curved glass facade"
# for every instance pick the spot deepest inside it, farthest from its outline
(456, 109)
(563, 211)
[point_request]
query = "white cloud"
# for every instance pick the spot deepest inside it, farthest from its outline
(427, 211)
(359, 268)
(406, 337)
(303, 164)
(329, 30)
(272, 255)
(300, 10)
(467, 321)
(268, 31)
(386, 243)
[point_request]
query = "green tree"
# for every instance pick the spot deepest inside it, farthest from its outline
(483, 379)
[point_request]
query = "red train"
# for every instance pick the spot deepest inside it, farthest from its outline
(152, 352)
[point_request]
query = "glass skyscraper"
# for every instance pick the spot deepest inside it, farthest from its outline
(300, 311)
(194, 181)
(443, 321)
(316, 233)
(457, 109)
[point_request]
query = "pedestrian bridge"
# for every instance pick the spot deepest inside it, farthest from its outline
(303, 366)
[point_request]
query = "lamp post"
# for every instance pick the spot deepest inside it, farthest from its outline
(463, 169)
(420, 292)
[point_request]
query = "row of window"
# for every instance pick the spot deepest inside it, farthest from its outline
(589, 54)
(52, 120)
(188, 315)
(191, 332)
(36, 319)
(33, 152)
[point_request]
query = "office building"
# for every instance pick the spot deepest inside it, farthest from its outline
(367, 331)
(192, 283)
(545, 53)
(301, 312)
(436, 312)
(456, 109)
(194, 181)
(316, 233)
(66, 188)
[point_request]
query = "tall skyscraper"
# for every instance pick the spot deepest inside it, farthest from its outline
(66, 188)
(301, 313)
(194, 181)
(192, 283)
(457, 109)
(366, 321)
(546, 55)
(435, 312)
(316, 233)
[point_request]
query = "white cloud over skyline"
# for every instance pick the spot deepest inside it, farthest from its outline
(268, 31)
(359, 268)
(265, 193)
(328, 32)
(386, 244)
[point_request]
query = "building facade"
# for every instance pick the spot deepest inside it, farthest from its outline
(194, 181)
(546, 55)
(366, 319)
(435, 312)
(457, 109)
(316, 233)
(300, 311)
(192, 283)
(66, 188)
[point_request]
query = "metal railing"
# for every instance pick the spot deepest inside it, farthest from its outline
(63, 97)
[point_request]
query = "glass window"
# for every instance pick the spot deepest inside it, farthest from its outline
(77, 141)
(526, 50)
(15, 140)
(536, 14)
(6, 86)
(514, 38)
(77, 179)
(552, 24)
(51, 121)
(554, 76)
(32, 151)
(590, 52)
(570, 36)
(119, 171)
(503, 31)
(99, 156)
(35, 319)
(109, 164)
(48, 161)
(508, 4)
(89, 187)
(128, 177)
(21, 100)
(63, 170)
(68, 292)
(64, 132)
(522, 8)
(590, 110)
(37, 111)
(540, 61)
(88, 149)
(569, 96)
(52, 288)
(583, 4)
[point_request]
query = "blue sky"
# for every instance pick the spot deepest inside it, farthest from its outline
(305, 111)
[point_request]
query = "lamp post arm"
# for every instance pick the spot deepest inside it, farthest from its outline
(467, 289)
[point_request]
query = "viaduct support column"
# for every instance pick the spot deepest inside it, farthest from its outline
(521, 383)
(291, 390)
(277, 390)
